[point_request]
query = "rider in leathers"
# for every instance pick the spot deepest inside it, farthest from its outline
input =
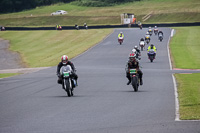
(65, 61)
(133, 64)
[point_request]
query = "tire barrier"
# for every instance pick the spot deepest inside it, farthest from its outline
(106, 26)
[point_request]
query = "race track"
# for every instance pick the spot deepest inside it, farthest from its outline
(102, 103)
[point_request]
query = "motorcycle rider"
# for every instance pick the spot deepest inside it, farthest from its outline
(85, 25)
(160, 33)
(76, 26)
(131, 64)
(57, 26)
(121, 35)
(154, 49)
(155, 29)
(147, 36)
(150, 30)
(142, 40)
(65, 61)
(138, 53)
(139, 24)
(135, 52)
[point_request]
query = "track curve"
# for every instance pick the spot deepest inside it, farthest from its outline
(102, 102)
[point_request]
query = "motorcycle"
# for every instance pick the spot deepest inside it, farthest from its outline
(140, 25)
(150, 32)
(59, 28)
(2, 28)
(142, 45)
(68, 83)
(160, 37)
(134, 79)
(155, 31)
(151, 55)
(86, 27)
(77, 27)
(147, 39)
(120, 40)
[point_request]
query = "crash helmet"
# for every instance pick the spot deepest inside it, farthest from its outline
(64, 59)
(134, 50)
(147, 33)
(149, 27)
(136, 47)
(155, 26)
(152, 46)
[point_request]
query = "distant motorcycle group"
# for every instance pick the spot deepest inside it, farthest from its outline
(151, 49)
(133, 72)
(66, 71)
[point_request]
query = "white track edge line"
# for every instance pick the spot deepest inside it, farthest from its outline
(169, 57)
(177, 115)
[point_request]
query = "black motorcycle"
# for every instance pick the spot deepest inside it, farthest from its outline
(160, 37)
(134, 79)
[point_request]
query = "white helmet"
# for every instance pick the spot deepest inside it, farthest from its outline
(149, 27)
(147, 33)
(136, 47)
(155, 26)
(134, 50)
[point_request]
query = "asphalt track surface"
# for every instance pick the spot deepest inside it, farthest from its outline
(102, 103)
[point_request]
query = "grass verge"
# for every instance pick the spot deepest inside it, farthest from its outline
(185, 48)
(189, 96)
(5, 75)
(45, 48)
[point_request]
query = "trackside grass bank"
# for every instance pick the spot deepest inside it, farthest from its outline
(189, 96)
(45, 48)
(162, 11)
(5, 75)
(185, 48)
(185, 53)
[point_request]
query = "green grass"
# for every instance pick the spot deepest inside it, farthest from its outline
(164, 11)
(185, 48)
(185, 52)
(45, 48)
(5, 75)
(189, 96)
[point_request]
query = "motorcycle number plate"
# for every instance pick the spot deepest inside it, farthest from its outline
(66, 74)
(133, 71)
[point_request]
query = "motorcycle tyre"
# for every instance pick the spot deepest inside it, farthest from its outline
(134, 83)
(67, 89)
(142, 48)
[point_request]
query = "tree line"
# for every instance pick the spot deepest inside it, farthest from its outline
(7, 6)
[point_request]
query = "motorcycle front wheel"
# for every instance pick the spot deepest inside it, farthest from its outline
(66, 86)
(135, 83)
